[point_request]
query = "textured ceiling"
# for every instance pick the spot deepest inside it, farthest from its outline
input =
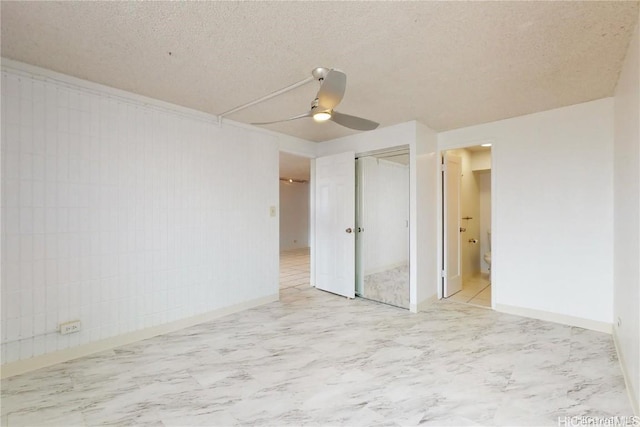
(446, 64)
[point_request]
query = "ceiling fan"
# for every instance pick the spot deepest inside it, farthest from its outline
(332, 86)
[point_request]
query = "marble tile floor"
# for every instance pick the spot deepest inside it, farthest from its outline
(389, 287)
(316, 359)
(294, 268)
(475, 290)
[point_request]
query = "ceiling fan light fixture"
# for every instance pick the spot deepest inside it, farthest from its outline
(322, 116)
(332, 86)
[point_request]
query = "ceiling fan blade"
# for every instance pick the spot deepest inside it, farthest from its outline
(300, 116)
(353, 122)
(332, 89)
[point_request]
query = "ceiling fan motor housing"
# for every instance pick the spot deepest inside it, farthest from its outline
(320, 73)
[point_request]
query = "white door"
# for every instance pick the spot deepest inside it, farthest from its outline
(335, 220)
(451, 176)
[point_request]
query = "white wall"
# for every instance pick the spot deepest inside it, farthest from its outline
(293, 145)
(294, 215)
(124, 213)
(626, 178)
(424, 214)
(364, 142)
(552, 210)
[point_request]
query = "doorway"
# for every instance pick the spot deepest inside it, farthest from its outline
(467, 225)
(382, 227)
(294, 220)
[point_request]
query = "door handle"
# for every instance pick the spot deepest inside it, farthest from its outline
(349, 230)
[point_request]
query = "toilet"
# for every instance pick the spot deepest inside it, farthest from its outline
(487, 255)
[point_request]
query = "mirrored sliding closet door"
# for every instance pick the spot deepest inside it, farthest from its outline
(382, 239)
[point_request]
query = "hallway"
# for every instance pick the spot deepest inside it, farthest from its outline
(294, 268)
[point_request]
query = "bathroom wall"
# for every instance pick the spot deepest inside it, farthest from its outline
(481, 166)
(484, 185)
(125, 213)
(469, 207)
(294, 215)
(481, 160)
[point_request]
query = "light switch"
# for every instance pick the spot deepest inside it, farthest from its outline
(272, 211)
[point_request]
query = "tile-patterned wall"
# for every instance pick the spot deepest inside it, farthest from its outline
(125, 216)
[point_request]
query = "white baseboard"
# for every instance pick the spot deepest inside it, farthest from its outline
(564, 319)
(422, 305)
(635, 402)
(38, 362)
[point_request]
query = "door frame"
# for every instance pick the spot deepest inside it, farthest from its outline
(409, 147)
(404, 149)
(311, 201)
(495, 282)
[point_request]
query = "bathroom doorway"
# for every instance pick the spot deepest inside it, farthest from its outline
(467, 225)
(382, 227)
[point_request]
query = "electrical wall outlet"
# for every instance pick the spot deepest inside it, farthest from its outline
(69, 327)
